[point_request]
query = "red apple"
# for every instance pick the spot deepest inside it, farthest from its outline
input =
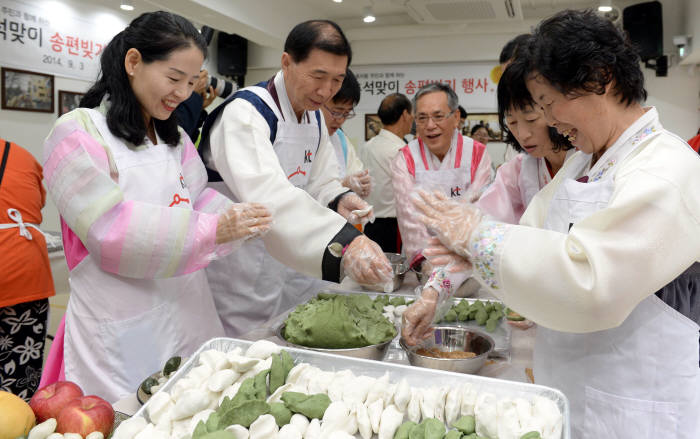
(48, 401)
(86, 414)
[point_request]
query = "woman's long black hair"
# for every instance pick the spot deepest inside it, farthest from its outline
(155, 35)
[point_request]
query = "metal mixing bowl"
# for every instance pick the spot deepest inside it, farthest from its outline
(399, 268)
(371, 352)
(450, 338)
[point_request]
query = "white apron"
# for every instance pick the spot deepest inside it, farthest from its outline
(534, 175)
(119, 330)
(250, 286)
(636, 380)
(452, 181)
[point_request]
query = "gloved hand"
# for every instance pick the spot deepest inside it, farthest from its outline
(242, 221)
(451, 221)
(440, 256)
(418, 318)
(366, 264)
(359, 182)
(355, 209)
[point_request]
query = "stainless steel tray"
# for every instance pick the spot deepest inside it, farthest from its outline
(416, 376)
(501, 336)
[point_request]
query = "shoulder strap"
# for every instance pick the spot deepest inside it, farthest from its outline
(343, 144)
(265, 111)
(5, 154)
(410, 164)
(477, 154)
(318, 121)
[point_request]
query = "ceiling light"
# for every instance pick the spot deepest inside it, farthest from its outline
(368, 15)
(338, 1)
(127, 5)
(605, 6)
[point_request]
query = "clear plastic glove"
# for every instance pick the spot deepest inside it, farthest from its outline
(418, 318)
(440, 256)
(243, 221)
(365, 263)
(451, 221)
(359, 182)
(355, 210)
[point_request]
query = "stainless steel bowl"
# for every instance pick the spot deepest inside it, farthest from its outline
(371, 352)
(450, 338)
(399, 268)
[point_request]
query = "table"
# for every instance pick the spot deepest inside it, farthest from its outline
(514, 369)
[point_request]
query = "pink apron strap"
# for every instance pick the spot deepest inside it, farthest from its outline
(54, 367)
(477, 154)
(410, 164)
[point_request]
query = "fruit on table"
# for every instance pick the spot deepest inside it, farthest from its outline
(16, 417)
(48, 401)
(85, 415)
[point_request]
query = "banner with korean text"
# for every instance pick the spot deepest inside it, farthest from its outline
(33, 38)
(474, 83)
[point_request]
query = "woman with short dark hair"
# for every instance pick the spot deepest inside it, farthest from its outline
(606, 257)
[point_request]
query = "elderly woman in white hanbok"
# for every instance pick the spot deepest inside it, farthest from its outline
(605, 258)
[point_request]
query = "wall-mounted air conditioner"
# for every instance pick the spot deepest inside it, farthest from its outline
(463, 11)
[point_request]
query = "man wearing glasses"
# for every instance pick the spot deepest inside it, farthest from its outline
(440, 158)
(340, 108)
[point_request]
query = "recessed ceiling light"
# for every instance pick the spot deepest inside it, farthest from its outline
(368, 15)
(605, 6)
(338, 1)
(127, 5)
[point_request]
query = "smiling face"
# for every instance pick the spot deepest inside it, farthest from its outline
(481, 135)
(437, 136)
(160, 86)
(530, 129)
(585, 119)
(332, 123)
(314, 81)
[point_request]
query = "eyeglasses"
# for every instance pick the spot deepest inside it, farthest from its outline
(422, 119)
(336, 115)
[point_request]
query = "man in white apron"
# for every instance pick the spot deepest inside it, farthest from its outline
(439, 158)
(269, 143)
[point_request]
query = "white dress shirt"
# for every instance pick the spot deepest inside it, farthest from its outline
(377, 155)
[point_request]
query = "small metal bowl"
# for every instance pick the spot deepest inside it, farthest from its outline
(399, 269)
(450, 338)
(371, 352)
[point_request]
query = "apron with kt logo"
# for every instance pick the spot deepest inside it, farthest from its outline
(602, 372)
(249, 285)
(120, 330)
(454, 181)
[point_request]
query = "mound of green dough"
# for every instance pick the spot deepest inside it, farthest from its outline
(335, 321)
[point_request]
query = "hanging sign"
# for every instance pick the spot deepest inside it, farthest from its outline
(474, 83)
(30, 38)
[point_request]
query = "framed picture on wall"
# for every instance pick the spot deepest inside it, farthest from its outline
(372, 126)
(26, 91)
(68, 101)
(489, 121)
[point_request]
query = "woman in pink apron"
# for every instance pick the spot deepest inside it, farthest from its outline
(138, 224)
(606, 258)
